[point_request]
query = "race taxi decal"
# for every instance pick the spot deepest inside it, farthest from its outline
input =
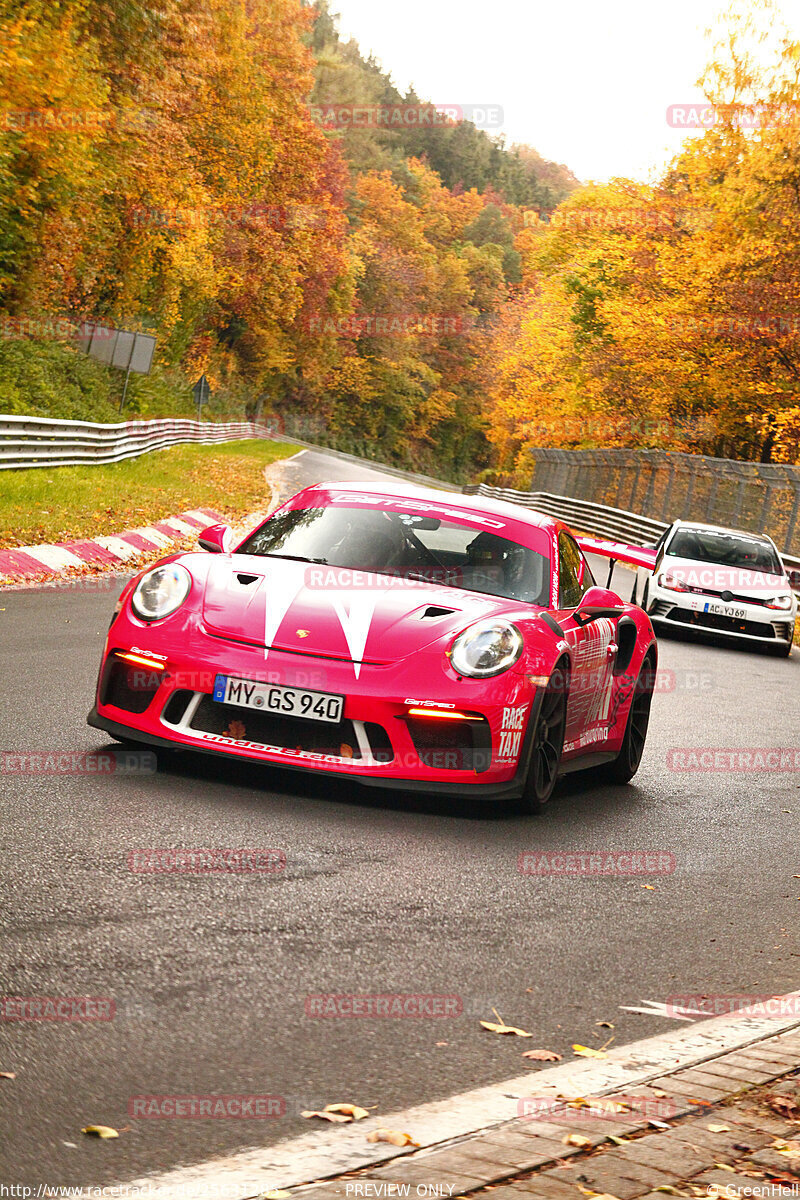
(512, 728)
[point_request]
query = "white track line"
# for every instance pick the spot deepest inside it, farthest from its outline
(327, 1152)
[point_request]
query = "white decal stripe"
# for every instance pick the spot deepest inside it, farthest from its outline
(283, 581)
(355, 611)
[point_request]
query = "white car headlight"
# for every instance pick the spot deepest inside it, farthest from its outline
(670, 581)
(486, 648)
(783, 602)
(161, 591)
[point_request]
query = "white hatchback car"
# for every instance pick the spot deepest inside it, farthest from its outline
(721, 581)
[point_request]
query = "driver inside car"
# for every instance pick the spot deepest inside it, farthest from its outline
(371, 541)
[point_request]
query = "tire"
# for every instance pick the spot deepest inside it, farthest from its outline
(547, 743)
(626, 764)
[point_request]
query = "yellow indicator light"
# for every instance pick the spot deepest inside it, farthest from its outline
(141, 661)
(444, 714)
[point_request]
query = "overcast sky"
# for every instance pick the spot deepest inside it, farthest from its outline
(586, 82)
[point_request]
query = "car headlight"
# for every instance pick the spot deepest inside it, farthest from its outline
(161, 591)
(486, 648)
(670, 581)
(783, 602)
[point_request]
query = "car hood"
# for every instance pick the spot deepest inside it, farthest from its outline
(713, 577)
(351, 615)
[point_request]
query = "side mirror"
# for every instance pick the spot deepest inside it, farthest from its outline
(598, 602)
(217, 539)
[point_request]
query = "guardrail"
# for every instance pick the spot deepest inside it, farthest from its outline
(616, 523)
(42, 442)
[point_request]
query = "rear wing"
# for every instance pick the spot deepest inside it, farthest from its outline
(637, 556)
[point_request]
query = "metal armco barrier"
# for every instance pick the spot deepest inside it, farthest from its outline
(615, 523)
(41, 442)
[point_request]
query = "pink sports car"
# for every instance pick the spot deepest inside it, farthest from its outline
(401, 637)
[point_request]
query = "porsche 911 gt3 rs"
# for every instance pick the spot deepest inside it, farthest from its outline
(400, 637)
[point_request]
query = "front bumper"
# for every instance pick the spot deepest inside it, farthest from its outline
(175, 710)
(752, 623)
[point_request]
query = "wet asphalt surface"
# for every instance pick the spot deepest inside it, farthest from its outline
(382, 893)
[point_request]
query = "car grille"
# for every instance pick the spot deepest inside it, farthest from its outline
(452, 745)
(703, 620)
(271, 729)
(127, 686)
(783, 630)
(661, 608)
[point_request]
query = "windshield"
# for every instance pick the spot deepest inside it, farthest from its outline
(444, 552)
(725, 549)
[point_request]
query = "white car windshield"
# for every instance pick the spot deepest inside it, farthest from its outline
(725, 549)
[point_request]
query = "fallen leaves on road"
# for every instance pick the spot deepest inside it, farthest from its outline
(8, 1075)
(542, 1055)
(325, 1116)
(101, 1131)
(588, 1051)
(501, 1027)
(785, 1106)
(576, 1139)
(791, 1149)
(340, 1113)
(236, 730)
(348, 1110)
(392, 1136)
(718, 1128)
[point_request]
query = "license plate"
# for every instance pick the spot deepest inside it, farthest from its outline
(284, 701)
(726, 611)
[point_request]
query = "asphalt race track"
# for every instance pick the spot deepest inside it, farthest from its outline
(381, 894)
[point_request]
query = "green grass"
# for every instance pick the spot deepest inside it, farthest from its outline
(56, 504)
